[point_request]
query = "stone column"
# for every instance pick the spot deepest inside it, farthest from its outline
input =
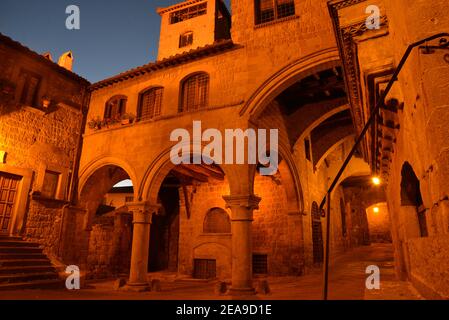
(242, 207)
(142, 215)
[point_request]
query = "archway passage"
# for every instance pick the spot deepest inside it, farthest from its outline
(368, 215)
(164, 232)
(411, 196)
(317, 234)
(379, 223)
(302, 106)
(176, 244)
(107, 221)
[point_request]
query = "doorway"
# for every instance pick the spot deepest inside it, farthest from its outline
(317, 234)
(9, 184)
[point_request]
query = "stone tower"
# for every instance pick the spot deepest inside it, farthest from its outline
(192, 24)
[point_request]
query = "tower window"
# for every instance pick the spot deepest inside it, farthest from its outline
(186, 39)
(188, 13)
(150, 103)
(195, 92)
(270, 10)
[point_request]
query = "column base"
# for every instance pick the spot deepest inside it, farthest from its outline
(241, 292)
(137, 287)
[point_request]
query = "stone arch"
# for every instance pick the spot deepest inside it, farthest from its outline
(290, 177)
(217, 220)
(162, 165)
(318, 121)
(278, 82)
(98, 163)
(98, 181)
(332, 149)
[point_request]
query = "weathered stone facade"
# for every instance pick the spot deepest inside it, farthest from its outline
(411, 154)
(313, 76)
(43, 108)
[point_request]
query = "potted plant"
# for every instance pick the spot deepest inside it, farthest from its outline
(95, 124)
(127, 118)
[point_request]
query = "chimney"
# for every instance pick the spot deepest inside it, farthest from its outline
(66, 60)
(48, 56)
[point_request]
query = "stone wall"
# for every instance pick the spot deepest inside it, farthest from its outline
(39, 137)
(109, 246)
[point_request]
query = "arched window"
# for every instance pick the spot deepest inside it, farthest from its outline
(217, 221)
(150, 103)
(195, 92)
(411, 196)
(115, 108)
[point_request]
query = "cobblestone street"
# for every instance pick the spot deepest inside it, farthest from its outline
(347, 281)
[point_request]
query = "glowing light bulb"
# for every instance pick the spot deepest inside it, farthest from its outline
(376, 180)
(376, 209)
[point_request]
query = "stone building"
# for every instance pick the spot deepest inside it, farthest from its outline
(311, 69)
(408, 143)
(43, 110)
(214, 220)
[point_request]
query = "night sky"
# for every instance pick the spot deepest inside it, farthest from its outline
(115, 35)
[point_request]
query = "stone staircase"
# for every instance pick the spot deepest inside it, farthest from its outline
(23, 265)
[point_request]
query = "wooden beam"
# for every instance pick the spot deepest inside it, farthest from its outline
(183, 170)
(205, 170)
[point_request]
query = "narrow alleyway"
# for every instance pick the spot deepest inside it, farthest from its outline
(347, 281)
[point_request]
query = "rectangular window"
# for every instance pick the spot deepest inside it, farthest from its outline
(188, 13)
(204, 269)
(50, 186)
(151, 103)
(186, 39)
(30, 88)
(260, 264)
(270, 10)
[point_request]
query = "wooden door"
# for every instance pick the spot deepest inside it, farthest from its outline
(8, 194)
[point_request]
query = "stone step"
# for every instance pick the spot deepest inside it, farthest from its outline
(28, 262)
(26, 269)
(2, 237)
(37, 284)
(20, 249)
(14, 278)
(17, 243)
(25, 255)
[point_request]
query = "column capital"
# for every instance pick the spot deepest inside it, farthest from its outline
(143, 206)
(143, 211)
(250, 202)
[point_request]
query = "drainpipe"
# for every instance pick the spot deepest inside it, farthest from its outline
(327, 198)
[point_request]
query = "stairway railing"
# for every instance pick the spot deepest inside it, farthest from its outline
(444, 44)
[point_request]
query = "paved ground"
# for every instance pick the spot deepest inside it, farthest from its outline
(347, 281)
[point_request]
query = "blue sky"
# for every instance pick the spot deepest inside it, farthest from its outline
(115, 35)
